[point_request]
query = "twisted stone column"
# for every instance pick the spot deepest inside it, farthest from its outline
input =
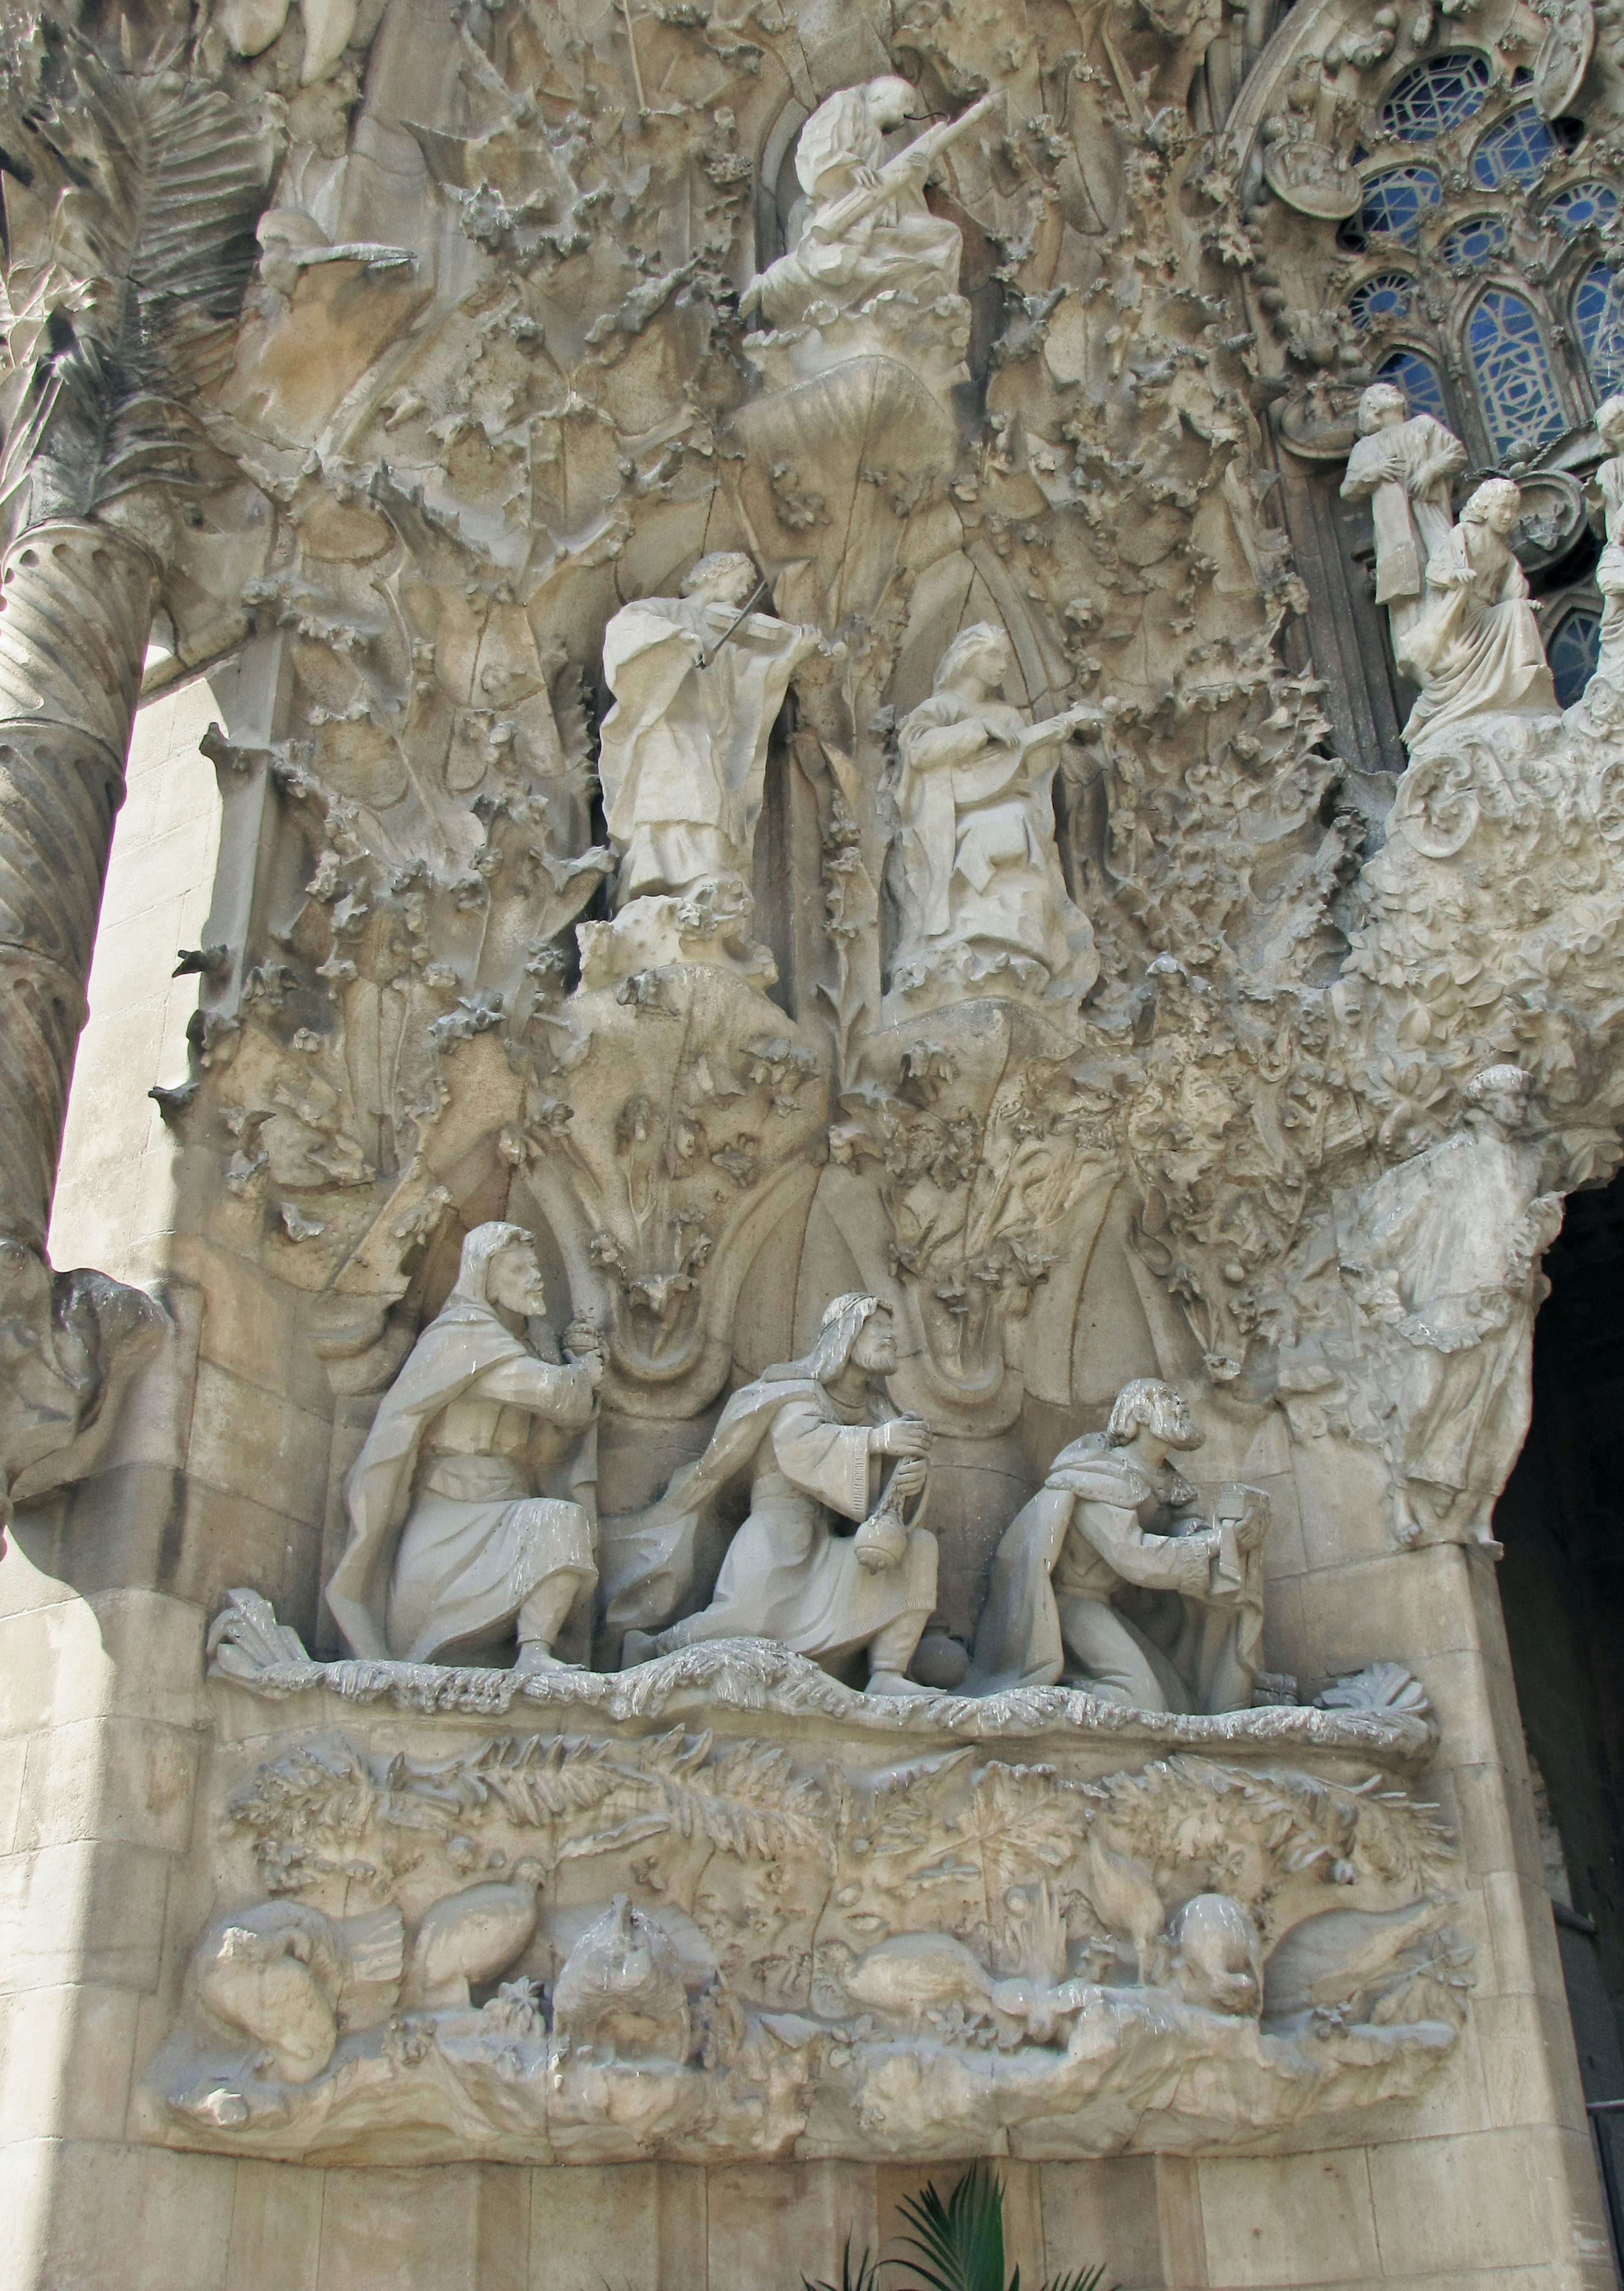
(76, 612)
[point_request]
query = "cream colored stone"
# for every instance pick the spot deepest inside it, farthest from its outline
(645, 2222)
(1291, 2221)
(276, 2229)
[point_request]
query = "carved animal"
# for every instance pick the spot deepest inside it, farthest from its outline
(1217, 1961)
(910, 1975)
(470, 1936)
(284, 1973)
(620, 1994)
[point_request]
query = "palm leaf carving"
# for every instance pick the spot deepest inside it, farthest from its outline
(132, 199)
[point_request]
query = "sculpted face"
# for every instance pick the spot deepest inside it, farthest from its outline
(875, 1349)
(1505, 1103)
(722, 580)
(1380, 407)
(515, 1281)
(1503, 511)
(890, 100)
(1171, 1421)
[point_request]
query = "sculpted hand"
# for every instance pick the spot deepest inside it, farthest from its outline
(910, 1476)
(904, 1435)
(583, 1348)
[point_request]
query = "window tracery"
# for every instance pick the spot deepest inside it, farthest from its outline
(1420, 382)
(1577, 205)
(1515, 388)
(1521, 149)
(1473, 244)
(1395, 202)
(1380, 300)
(1598, 313)
(1432, 97)
(1572, 649)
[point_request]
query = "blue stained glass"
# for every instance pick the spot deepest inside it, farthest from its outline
(1520, 404)
(1431, 98)
(1470, 246)
(1379, 299)
(1516, 151)
(1598, 310)
(1581, 204)
(1573, 652)
(1419, 380)
(1395, 202)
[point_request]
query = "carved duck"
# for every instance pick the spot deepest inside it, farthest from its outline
(470, 1937)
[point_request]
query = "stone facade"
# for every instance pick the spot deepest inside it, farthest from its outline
(865, 922)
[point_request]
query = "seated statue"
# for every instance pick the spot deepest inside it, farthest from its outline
(980, 888)
(451, 1549)
(812, 1435)
(1113, 1522)
(864, 246)
(698, 683)
(1476, 651)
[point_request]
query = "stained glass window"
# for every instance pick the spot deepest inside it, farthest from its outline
(1573, 652)
(1470, 246)
(1419, 380)
(1516, 151)
(1579, 204)
(1395, 202)
(1433, 97)
(1598, 309)
(1520, 404)
(1376, 300)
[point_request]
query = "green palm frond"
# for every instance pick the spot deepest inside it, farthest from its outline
(957, 2245)
(865, 2279)
(1084, 2278)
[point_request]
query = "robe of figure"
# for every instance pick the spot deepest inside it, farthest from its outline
(1475, 650)
(786, 1575)
(979, 867)
(1097, 1531)
(1609, 574)
(1403, 469)
(1454, 1236)
(683, 754)
(901, 249)
(448, 1536)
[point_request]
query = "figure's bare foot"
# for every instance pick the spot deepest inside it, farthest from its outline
(534, 1660)
(892, 1682)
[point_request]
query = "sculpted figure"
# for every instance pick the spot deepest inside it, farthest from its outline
(1476, 651)
(451, 1547)
(1447, 1259)
(813, 1436)
(698, 683)
(863, 229)
(1112, 1520)
(981, 887)
(1402, 465)
(1609, 484)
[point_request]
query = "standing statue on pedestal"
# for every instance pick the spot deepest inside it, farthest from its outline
(698, 683)
(981, 889)
(1447, 1259)
(451, 1550)
(1111, 1522)
(1476, 651)
(1403, 465)
(812, 1435)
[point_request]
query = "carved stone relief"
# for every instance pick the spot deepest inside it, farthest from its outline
(646, 1926)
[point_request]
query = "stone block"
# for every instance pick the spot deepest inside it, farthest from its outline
(98, 1778)
(402, 2229)
(66, 2057)
(276, 2228)
(765, 2220)
(1530, 2071)
(1290, 2221)
(247, 1441)
(82, 1913)
(136, 2219)
(1485, 2200)
(638, 2226)
(1104, 2211)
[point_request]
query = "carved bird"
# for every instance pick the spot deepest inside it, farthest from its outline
(621, 1991)
(470, 1936)
(1127, 1904)
(914, 1973)
(285, 1973)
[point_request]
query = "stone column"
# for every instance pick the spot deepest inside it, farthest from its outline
(76, 610)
